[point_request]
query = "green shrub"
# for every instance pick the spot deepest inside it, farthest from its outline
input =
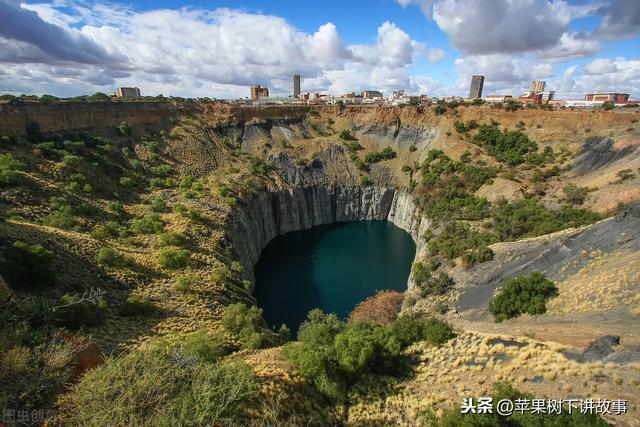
(439, 110)
(171, 238)
(413, 148)
(522, 294)
(10, 169)
(109, 257)
(478, 256)
(441, 307)
(157, 183)
(245, 323)
(138, 305)
(345, 135)
(510, 147)
(365, 347)
(608, 105)
(107, 230)
(429, 284)
(206, 347)
(575, 195)
(625, 174)
(377, 156)
(74, 315)
(173, 258)
(446, 187)
(124, 129)
(156, 387)
(457, 239)
(184, 283)
(258, 167)
(24, 266)
(149, 224)
(64, 218)
(437, 332)
(158, 205)
(334, 355)
(529, 218)
(162, 171)
(127, 182)
(69, 161)
(365, 180)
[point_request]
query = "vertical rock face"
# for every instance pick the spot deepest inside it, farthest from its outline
(270, 214)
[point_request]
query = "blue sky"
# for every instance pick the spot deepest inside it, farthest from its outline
(219, 48)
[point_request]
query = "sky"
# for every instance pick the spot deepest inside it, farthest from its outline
(219, 48)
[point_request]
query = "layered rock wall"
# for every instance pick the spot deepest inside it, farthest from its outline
(270, 214)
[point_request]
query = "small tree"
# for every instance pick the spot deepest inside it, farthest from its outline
(608, 105)
(522, 294)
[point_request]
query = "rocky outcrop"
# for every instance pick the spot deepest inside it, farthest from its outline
(270, 214)
(17, 119)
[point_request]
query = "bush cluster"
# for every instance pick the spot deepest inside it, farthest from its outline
(447, 185)
(74, 315)
(334, 355)
(149, 224)
(10, 169)
(110, 257)
(377, 156)
(508, 146)
(174, 258)
(428, 283)
(458, 239)
(27, 266)
(157, 386)
(529, 218)
(246, 324)
(522, 294)
(138, 305)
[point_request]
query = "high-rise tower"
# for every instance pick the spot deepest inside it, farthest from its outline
(296, 85)
(476, 87)
(537, 86)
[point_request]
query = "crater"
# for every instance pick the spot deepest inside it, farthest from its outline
(332, 267)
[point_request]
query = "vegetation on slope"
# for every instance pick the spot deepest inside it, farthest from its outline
(334, 355)
(184, 385)
(522, 294)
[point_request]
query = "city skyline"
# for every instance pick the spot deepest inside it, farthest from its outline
(216, 49)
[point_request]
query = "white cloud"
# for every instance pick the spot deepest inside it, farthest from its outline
(482, 27)
(502, 26)
(197, 52)
(600, 66)
(621, 19)
(503, 73)
(602, 75)
(570, 46)
(435, 55)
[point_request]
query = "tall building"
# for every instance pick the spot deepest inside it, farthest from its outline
(476, 87)
(258, 92)
(296, 85)
(537, 86)
(128, 92)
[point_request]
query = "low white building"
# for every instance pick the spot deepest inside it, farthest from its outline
(497, 99)
(583, 104)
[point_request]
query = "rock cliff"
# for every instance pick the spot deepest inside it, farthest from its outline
(270, 214)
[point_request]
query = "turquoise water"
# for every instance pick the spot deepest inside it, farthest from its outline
(332, 267)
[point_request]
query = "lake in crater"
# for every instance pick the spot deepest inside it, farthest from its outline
(332, 267)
